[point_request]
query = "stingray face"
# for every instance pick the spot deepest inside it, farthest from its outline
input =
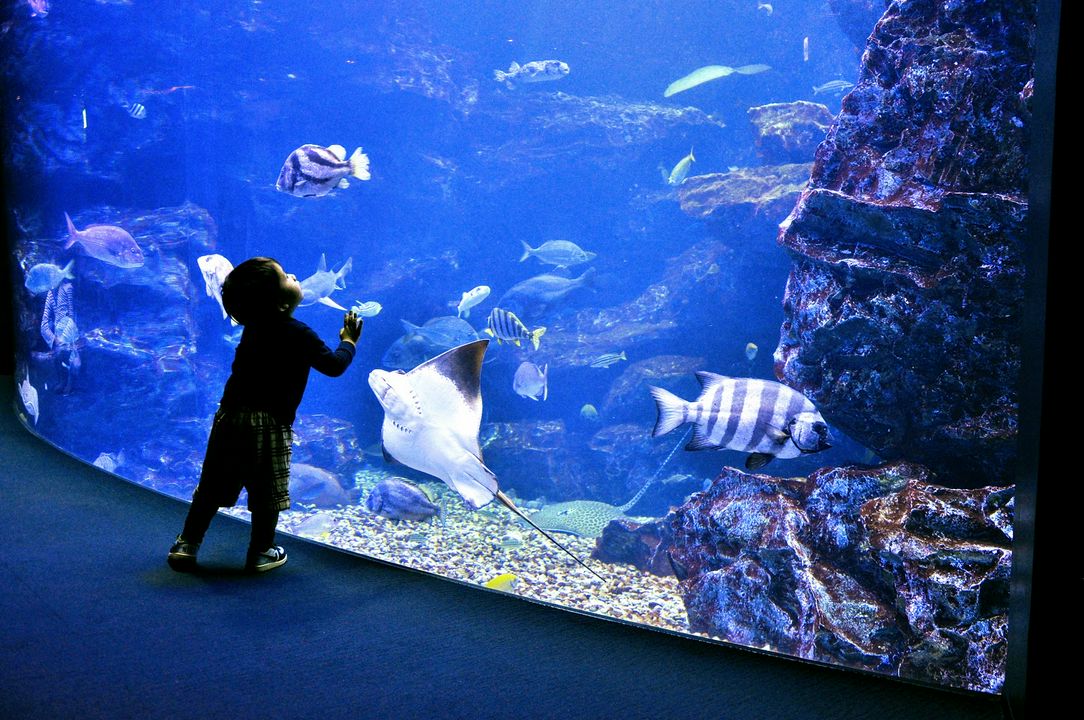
(396, 396)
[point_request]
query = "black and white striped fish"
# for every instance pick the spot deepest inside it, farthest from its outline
(136, 110)
(504, 325)
(314, 170)
(761, 417)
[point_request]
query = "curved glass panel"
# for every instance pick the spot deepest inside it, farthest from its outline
(750, 275)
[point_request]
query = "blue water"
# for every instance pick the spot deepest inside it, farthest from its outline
(463, 171)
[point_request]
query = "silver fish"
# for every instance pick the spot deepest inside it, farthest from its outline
(835, 87)
(534, 296)
(29, 395)
(311, 485)
(681, 170)
(535, 71)
(108, 243)
(367, 309)
(504, 325)
(761, 417)
(397, 498)
(470, 298)
(109, 461)
(314, 170)
(214, 269)
(317, 288)
(562, 253)
(531, 381)
(67, 332)
(44, 277)
(605, 360)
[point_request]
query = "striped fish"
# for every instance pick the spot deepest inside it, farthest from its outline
(605, 360)
(504, 325)
(136, 110)
(314, 171)
(761, 417)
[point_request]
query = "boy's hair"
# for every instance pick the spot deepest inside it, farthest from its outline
(251, 292)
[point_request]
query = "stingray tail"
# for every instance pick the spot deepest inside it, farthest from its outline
(512, 506)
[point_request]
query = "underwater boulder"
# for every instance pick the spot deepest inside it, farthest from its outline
(949, 553)
(874, 568)
(789, 132)
(769, 189)
(901, 311)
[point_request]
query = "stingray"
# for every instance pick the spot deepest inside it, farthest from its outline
(584, 518)
(432, 415)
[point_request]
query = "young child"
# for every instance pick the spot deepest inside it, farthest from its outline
(250, 442)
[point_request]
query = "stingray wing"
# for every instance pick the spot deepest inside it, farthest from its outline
(449, 391)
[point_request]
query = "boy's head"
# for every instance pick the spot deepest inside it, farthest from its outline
(258, 289)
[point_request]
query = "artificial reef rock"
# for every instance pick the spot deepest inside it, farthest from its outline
(766, 187)
(789, 132)
(901, 312)
(873, 568)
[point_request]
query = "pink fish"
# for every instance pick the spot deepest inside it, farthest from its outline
(108, 243)
(38, 8)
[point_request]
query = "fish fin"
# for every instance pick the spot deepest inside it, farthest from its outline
(67, 271)
(680, 571)
(708, 380)
(778, 436)
(536, 336)
(338, 151)
(322, 265)
(545, 380)
(331, 303)
(588, 278)
(73, 234)
(490, 332)
(701, 441)
(359, 165)
(670, 408)
(758, 460)
(513, 68)
(474, 482)
(342, 272)
(691, 156)
(343, 184)
(512, 506)
(527, 250)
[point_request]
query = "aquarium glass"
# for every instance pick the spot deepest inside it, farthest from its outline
(751, 276)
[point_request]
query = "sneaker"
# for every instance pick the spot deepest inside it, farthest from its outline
(182, 556)
(269, 559)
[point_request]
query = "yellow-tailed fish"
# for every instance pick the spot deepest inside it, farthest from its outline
(681, 170)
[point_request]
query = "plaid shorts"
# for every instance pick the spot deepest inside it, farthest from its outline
(247, 449)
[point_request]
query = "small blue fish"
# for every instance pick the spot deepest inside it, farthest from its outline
(605, 360)
(835, 87)
(44, 277)
(397, 499)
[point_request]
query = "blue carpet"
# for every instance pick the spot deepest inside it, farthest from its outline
(97, 626)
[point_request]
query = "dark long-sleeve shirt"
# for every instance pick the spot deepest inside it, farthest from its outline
(271, 366)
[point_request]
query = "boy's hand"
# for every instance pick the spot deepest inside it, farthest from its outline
(351, 328)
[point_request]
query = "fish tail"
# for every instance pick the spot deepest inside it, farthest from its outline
(359, 165)
(512, 506)
(536, 336)
(691, 156)
(671, 411)
(545, 381)
(527, 250)
(73, 234)
(67, 271)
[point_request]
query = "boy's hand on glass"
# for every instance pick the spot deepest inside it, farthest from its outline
(351, 328)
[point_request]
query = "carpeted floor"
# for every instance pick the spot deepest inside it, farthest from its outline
(95, 625)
